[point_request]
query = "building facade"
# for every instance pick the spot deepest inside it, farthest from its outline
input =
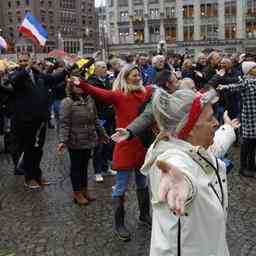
(182, 25)
(102, 31)
(71, 24)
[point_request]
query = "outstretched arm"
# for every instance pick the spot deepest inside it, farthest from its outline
(106, 96)
(175, 187)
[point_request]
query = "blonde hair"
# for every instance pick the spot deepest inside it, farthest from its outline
(121, 81)
(186, 63)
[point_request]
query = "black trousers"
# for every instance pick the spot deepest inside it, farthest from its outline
(28, 139)
(79, 159)
(247, 154)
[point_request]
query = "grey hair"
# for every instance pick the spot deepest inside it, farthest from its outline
(115, 61)
(187, 83)
(157, 58)
(99, 64)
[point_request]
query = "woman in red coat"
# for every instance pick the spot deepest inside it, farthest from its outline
(127, 97)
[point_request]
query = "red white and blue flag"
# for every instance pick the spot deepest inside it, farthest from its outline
(33, 29)
(3, 43)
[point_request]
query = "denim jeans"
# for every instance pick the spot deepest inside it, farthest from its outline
(100, 159)
(56, 110)
(79, 159)
(122, 181)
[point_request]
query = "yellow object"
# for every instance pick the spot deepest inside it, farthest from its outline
(89, 71)
(2, 65)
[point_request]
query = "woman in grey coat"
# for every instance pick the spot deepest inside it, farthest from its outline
(80, 132)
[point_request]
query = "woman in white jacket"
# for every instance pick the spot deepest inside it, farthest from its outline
(188, 182)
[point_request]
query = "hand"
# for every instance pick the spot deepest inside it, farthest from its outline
(96, 54)
(120, 135)
(221, 72)
(221, 87)
(234, 123)
(174, 187)
(104, 139)
(199, 74)
(61, 147)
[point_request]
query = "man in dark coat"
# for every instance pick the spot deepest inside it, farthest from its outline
(103, 152)
(30, 115)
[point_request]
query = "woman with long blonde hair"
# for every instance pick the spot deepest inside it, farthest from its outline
(127, 96)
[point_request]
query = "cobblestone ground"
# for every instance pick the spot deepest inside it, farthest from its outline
(48, 223)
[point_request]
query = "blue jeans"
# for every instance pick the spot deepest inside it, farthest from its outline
(56, 110)
(122, 181)
(100, 159)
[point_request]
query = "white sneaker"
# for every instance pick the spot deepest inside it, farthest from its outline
(99, 178)
(111, 172)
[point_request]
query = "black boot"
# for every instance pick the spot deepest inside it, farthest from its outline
(144, 206)
(120, 229)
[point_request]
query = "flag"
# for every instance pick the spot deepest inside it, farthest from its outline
(33, 29)
(3, 43)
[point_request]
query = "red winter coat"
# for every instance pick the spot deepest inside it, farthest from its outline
(128, 154)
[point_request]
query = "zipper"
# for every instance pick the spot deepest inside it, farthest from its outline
(216, 170)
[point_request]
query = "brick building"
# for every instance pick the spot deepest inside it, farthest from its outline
(71, 24)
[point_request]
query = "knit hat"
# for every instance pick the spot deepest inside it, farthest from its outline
(179, 112)
(247, 66)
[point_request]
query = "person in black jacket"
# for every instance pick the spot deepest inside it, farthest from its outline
(103, 152)
(30, 115)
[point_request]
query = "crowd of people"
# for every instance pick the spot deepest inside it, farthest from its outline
(152, 117)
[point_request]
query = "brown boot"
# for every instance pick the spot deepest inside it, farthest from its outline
(79, 198)
(86, 193)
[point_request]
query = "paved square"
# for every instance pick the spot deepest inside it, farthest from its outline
(48, 223)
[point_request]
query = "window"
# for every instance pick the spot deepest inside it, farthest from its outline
(124, 35)
(170, 12)
(209, 10)
(188, 11)
(139, 36)
(209, 31)
(27, 2)
(154, 13)
(251, 7)
(9, 4)
(154, 32)
(111, 3)
(251, 29)
(124, 16)
(170, 33)
(188, 33)
(230, 31)
(18, 3)
(230, 8)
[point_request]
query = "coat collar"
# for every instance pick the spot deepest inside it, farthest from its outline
(199, 154)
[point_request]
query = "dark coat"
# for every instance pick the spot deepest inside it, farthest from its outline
(31, 99)
(105, 111)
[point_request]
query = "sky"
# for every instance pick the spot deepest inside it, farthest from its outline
(98, 2)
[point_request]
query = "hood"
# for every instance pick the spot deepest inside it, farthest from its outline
(160, 146)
